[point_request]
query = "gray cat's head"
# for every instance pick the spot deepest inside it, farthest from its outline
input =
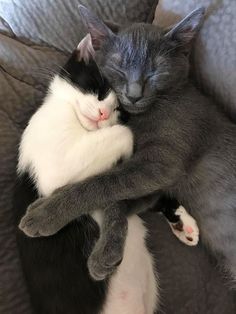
(142, 61)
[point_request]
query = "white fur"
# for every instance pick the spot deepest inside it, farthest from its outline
(58, 146)
(190, 233)
(133, 288)
(65, 142)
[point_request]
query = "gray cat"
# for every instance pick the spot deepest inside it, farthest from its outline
(185, 146)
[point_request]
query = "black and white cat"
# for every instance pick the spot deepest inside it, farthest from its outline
(76, 134)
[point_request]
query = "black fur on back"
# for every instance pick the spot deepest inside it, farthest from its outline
(86, 76)
(55, 267)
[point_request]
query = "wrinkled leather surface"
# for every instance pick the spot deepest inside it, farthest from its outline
(34, 36)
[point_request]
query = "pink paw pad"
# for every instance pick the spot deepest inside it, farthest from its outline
(189, 229)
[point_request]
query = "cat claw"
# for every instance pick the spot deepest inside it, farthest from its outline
(186, 230)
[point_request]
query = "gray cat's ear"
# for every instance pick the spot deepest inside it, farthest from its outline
(97, 29)
(186, 29)
(85, 49)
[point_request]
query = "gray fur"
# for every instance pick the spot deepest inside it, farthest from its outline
(108, 251)
(185, 146)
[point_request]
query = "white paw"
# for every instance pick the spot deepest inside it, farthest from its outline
(186, 230)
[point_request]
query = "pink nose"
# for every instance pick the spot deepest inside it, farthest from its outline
(104, 114)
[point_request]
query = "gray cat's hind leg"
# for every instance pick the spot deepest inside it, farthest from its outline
(108, 252)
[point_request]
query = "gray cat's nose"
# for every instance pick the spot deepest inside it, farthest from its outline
(134, 99)
(134, 92)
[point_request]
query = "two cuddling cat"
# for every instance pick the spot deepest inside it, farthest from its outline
(176, 143)
(75, 134)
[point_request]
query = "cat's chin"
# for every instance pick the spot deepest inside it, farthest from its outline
(135, 109)
(89, 124)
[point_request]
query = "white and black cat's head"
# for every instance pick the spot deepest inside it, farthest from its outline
(87, 90)
(142, 61)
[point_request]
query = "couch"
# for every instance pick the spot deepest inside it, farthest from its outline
(35, 38)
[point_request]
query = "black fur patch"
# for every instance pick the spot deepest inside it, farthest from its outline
(168, 207)
(86, 76)
(124, 115)
(55, 267)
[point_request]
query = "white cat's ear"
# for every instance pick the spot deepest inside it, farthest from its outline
(85, 49)
(186, 29)
(97, 29)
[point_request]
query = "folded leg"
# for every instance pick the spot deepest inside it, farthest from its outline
(108, 250)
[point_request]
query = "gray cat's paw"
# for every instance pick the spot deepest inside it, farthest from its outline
(40, 220)
(109, 249)
(101, 265)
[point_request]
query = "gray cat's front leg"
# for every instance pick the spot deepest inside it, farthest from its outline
(141, 175)
(108, 251)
